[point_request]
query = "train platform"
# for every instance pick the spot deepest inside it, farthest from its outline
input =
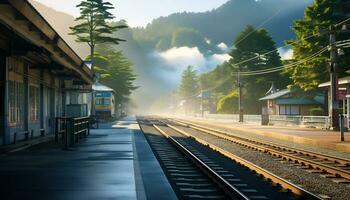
(308, 136)
(115, 162)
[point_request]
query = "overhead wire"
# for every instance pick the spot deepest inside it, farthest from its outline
(276, 69)
(280, 68)
(274, 50)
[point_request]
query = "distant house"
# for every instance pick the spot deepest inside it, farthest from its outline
(287, 102)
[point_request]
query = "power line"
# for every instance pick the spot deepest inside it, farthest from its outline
(265, 71)
(342, 22)
(280, 68)
(283, 67)
(261, 25)
(274, 50)
(276, 69)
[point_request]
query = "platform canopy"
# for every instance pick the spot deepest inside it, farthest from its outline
(26, 33)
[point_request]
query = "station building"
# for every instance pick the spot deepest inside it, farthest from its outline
(40, 74)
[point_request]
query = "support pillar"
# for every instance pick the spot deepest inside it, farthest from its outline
(26, 105)
(4, 130)
(41, 100)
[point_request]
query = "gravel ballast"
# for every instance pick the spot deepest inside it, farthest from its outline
(247, 134)
(287, 170)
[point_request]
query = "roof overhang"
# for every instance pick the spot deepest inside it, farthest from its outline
(23, 19)
(341, 81)
(276, 95)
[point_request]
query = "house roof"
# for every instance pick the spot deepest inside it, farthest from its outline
(295, 101)
(341, 81)
(276, 95)
(101, 87)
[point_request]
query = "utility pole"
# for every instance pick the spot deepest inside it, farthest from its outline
(240, 101)
(202, 104)
(333, 101)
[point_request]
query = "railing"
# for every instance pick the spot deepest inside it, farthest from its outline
(230, 117)
(285, 120)
(308, 121)
(72, 130)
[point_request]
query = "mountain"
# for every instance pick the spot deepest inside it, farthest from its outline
(62, 26)
(224, 23)
(151, 48)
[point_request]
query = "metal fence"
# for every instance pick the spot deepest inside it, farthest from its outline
(306, 121)
(283, 120)
(227, 117)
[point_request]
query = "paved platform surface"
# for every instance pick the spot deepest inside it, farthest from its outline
(316, 137)
(112, 163)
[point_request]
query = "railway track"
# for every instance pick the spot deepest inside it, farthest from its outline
(197, 172)
(335, 168)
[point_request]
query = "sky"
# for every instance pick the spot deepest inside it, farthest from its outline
(141, 12)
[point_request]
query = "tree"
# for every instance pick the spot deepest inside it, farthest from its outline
(189, 37)
(94, 28)
(189, 85)
(317, 19)
(115, 71)
(189, 88)
(256, 45)
(228, 104)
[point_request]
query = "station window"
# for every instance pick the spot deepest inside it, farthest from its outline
(34, 103)
(15, 102)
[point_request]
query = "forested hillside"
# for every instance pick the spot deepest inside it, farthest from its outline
(207, 37)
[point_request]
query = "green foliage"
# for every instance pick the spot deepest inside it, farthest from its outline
(115, 71)
(259, 42)
(189, 85)
(93, 27)
(212, 24)
(228, 104)
(189, 37)
(163, 44)
(221, 77)
(318, 17)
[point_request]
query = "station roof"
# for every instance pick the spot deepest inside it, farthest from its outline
(276, 95)
(101, 87)
(341, 81)
(24, 20)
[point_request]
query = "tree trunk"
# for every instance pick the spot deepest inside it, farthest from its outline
(92, 52)
(92, 55)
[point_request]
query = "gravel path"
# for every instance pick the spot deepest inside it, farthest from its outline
(311, 182)
(277, 141)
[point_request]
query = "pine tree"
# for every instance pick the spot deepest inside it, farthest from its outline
(115, 71)
(255, 43)
(189, 85)
(317, 20)
(94, 28)
(189, 88)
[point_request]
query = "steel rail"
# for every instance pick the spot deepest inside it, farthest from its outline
(267, 147)
(268, 175)
(228, 189)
